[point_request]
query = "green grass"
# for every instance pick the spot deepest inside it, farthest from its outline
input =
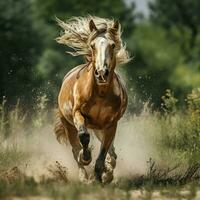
(26, 187)
(11, 157)
(180, 129)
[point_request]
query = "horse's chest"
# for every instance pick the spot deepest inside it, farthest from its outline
(102, 112)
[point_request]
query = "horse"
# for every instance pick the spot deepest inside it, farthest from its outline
(92, 95)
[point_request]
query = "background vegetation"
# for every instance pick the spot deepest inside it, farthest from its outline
(169, 142)
(165, 47)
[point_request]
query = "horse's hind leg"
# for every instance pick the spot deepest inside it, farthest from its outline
(106, 147)
(76, 147)
(110, 161)
(111, 152)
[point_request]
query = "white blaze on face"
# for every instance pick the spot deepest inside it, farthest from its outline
(101, 46)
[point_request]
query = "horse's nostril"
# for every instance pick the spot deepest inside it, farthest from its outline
(107, 72)
(96, 72)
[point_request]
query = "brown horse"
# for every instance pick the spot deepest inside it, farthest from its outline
(92, 95)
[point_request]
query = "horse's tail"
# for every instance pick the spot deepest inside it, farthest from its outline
(59, 129)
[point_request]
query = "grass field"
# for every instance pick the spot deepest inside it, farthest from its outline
(158, 155)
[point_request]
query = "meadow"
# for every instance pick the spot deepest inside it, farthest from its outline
(158, 154)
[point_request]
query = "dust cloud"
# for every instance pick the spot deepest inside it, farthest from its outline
(132, 145)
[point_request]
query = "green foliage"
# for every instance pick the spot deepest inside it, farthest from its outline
(154, 60)
(11, 121)
(179, 20)
(106, 8)
(11, 157)
(3, 121)
(50, 71)
(21, 44)
(182, 14)
(193, 101)
(41, 112)
(181, 131)
(169, 102)
(184, 79)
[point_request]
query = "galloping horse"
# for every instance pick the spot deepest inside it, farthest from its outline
(92, 95)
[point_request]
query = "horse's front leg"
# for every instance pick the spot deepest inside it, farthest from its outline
(84, 137)
(108, 136)
(72, 134)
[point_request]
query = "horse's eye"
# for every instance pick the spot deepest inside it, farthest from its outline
(113, 45)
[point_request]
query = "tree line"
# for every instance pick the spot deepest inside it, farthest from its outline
(165, 47)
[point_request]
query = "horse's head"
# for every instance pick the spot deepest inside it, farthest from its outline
(103, 52)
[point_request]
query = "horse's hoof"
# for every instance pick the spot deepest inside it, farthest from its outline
(85, 157)
(98, 170)
(111, 161)
(107, 177)
(83, 176)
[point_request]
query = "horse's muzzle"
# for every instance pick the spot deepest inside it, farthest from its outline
(101, 76)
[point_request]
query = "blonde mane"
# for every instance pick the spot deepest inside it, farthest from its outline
(78, 36)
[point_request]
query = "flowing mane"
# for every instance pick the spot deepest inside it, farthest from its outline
(78, 36)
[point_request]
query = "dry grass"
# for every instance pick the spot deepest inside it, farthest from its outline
(59, 172)
(32, 163)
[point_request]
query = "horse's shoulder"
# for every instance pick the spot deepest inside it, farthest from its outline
(74, 71)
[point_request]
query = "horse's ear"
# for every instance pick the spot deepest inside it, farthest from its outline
(116, 25)
(92, 25)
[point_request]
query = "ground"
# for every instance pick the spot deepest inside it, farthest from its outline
(158, 158)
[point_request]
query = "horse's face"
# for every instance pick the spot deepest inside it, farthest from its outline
(103, 57)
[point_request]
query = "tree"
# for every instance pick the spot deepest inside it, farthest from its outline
(64, 9)
(154, 61)
(184, 14)
(180, 21)
(21, 45)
